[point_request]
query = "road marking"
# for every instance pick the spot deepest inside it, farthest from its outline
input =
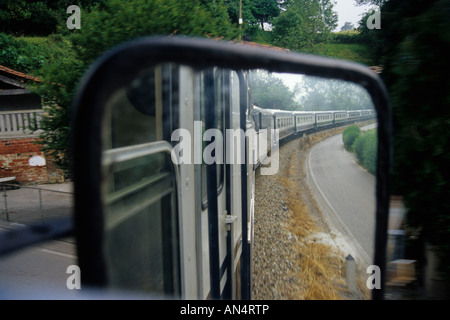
(59, 253)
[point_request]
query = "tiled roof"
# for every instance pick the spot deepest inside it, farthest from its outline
(19, 74)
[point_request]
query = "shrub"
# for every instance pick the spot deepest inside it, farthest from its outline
(358, 147)
(349, 136)
(365, 149)
(370, 153)
(18, 54)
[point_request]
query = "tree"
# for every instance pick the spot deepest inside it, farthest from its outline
(304, 23)
(318, 94)
(265, 10)
(247, 11)
(371, 37)
(269, 92)
(120, 21)
(36, 17)
(103, 27)
(347, 26)
(416, 44)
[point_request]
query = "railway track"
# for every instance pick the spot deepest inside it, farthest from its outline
(295, 254)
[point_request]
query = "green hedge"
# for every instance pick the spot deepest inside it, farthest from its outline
(350, 135)
(365, 149)
(363, 144)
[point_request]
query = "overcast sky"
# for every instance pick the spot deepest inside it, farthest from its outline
(347, 10)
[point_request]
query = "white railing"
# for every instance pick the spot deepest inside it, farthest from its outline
(20, 122)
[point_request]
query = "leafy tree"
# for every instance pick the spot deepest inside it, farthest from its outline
(347, 26)
(265, 10)
(247, 11)
(270, 92)
(18, 54)
(119, 21)
(319, 94)
(36, 17)
(304, 23)
(104, 26)
(371, 38)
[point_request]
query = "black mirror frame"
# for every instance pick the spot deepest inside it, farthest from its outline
(121, 64)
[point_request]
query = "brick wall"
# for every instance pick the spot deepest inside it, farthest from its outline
(23, 158)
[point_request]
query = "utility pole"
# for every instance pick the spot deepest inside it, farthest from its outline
(240, 20)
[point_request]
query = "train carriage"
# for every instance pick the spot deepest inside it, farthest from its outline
(353, 116)
(284, 122)
(323, 119)
(365, 114)
(340, 117)
(304, 121)
(264, 124)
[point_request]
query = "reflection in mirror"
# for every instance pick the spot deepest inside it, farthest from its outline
(323, 197)
(211, 177)
(139, 187)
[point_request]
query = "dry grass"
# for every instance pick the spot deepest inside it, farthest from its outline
(319, 266)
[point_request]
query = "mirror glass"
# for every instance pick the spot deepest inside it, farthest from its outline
(196, 161)
(318, 211)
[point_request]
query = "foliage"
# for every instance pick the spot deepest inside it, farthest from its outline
(416, 37)
(354, 52)
(303, 24)
(365, 149)
(349, 135)
(104, 26)
(19, 54)
(347, 26)
(119, 21)
(370, 37)
(320, 94)
(348, 36)
(35, 17)
(270, 92)
(265, 10)
(250, 23)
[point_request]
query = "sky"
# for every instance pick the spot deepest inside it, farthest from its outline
(347, 10)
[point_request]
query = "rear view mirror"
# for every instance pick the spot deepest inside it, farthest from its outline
(167, 142)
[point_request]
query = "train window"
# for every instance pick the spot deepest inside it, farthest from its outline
(141, 226)
(138, 185)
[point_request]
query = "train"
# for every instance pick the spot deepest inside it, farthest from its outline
(291, 124)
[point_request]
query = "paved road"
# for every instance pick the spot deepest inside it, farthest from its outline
(346, 193)
(38, 272)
